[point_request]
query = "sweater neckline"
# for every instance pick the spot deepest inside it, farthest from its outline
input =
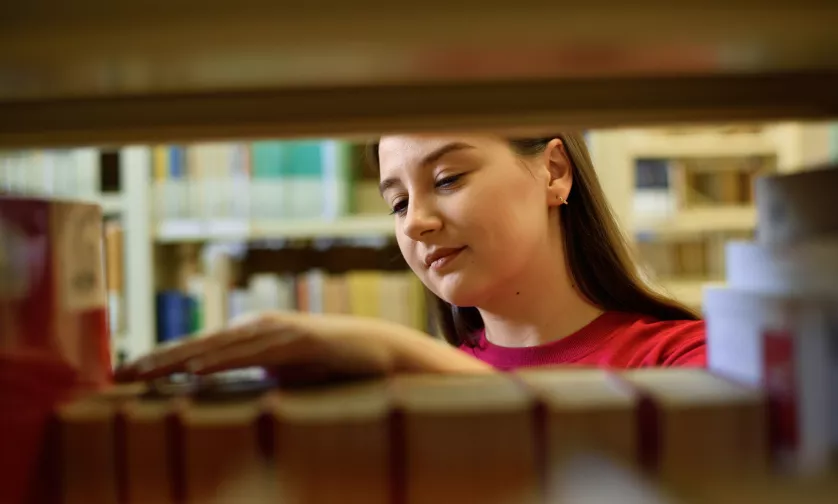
(570, 348)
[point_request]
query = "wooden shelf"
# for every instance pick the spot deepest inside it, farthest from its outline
(687, 291)
(110, 203)
(696, 145)
(143, 72)
(193, 230)
(698, 220)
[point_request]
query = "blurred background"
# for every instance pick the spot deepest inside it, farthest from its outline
(199, 233)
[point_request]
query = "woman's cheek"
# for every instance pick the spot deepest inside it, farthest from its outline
(474, 204)
(409, 252)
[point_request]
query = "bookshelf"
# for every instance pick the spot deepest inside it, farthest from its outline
(185, 230)
(699, 197)
(697, 220)
(699, 142)
(203, 216)
(177, 226)
(112, 204)
(697, 229)
(237, 227)
(337, 70)
(91, 175)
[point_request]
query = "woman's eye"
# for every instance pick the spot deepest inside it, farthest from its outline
(448, 181)
(399, 207)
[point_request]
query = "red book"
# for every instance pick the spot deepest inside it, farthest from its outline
(53, 324)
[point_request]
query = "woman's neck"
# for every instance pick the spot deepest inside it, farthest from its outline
(539, 306)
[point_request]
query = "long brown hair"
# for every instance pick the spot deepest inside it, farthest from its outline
(598, 257)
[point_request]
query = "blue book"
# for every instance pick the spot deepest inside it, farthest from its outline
(173, 315)
(177, 162)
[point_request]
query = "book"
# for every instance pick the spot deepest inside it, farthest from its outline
(695, 427)
(149, 437)
(526, 436)
(586, 413)
(332, 444)
(466, 439)
(221, 454)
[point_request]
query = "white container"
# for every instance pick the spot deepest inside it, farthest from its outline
(789, 346)
(808, 268)
(797, 207)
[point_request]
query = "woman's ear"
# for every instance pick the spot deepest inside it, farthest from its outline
(561, 172)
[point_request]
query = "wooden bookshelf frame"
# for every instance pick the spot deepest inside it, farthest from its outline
(139, 72)
(128, 74)
(522, 107)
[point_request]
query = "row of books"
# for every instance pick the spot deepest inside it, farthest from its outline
(527, 437)
(208, 303)
(67, 173)
(308, 179)
(766, 405)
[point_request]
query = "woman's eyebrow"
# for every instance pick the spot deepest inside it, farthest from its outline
(437, 154)
(430, 158)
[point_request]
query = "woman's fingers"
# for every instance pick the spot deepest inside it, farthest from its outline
(268, 348)
(174, 359)
(162, 361)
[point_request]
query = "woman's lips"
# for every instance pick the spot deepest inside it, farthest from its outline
(441, 258)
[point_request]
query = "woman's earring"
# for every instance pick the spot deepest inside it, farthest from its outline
(562, 201)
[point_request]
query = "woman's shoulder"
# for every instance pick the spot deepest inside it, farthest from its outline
(662, 342)
(614, 339)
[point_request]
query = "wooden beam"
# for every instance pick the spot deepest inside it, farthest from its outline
(369, 110)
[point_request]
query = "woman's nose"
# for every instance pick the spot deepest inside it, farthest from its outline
(421, 220)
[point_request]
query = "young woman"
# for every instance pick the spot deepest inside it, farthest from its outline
(525, 262)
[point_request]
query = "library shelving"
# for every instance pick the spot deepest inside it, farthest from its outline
(158, 200)
(218, 210)
(125, 73)
(192, 198)
(337, 70)
(696, 220)
(681, 242)
(103, 177)
(693, 191)
(186, 230)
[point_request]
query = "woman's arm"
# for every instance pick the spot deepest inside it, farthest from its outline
(338, 344)
(418, 352)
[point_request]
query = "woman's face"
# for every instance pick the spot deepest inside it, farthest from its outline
(470, 213)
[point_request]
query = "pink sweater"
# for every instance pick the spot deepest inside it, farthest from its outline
(613, 340)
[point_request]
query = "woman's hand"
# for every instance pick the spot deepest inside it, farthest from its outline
(333, 345)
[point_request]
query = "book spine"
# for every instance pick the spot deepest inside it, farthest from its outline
(173, 321)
